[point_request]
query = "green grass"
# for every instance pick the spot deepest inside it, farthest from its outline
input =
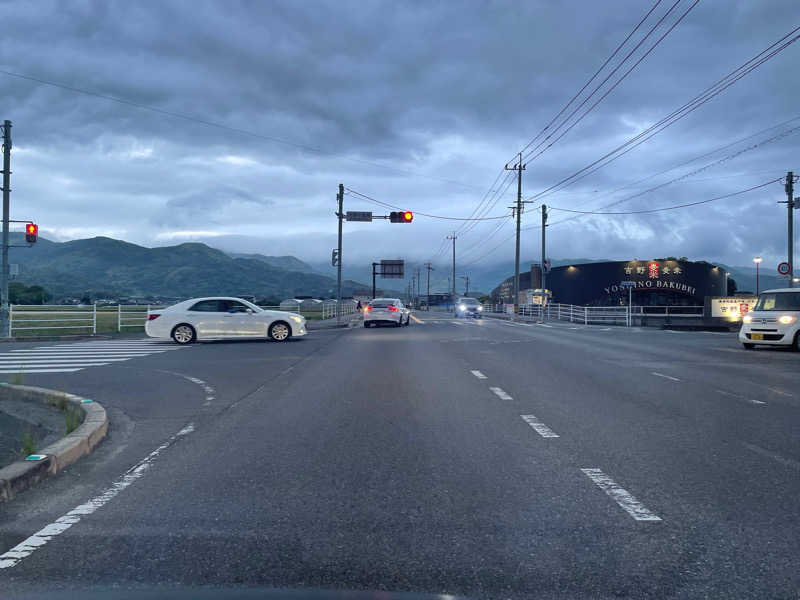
(28, 444)
(72, 420)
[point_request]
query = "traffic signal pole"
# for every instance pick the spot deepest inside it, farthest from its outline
(428, 297)
(454, 237)
(4, 324)
(340, 214)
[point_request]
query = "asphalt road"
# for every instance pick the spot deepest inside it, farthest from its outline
(479, 458)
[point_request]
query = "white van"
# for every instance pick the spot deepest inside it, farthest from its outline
(774, 321)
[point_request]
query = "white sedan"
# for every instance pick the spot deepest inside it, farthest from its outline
(217, 318)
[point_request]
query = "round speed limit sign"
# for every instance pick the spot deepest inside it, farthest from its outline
(783, 268)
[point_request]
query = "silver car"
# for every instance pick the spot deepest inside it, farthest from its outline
(386, 310)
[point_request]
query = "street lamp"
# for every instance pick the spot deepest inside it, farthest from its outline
(757, 260)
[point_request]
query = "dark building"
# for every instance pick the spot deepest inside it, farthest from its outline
(656, 283)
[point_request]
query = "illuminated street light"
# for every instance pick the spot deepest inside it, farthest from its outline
(757, 260)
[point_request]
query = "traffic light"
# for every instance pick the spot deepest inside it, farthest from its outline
(403, 216)
(31, 233)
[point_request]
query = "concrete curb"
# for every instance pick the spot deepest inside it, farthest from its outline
(59, 455)
(319, 325)
(55, 338)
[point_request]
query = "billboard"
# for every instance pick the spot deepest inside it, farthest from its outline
(730, 307)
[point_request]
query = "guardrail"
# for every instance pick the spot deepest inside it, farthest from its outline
(616, 315)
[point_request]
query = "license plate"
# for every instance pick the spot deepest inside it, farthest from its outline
(756, 336)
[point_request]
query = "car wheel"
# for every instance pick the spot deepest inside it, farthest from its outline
(367, 324)
(748, 346)
(408, 320)
(183, 334)
(796, 344)
(279, 331)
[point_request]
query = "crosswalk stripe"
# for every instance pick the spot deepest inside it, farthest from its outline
(40, 370)
(68, 358)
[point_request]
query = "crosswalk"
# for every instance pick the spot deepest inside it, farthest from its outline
(71, 357)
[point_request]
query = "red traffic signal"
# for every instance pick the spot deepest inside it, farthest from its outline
(404, 216)
(31, 233)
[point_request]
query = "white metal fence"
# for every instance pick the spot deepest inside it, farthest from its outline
(608, 315)
(31, 318)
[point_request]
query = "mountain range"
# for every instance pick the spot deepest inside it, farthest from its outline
(104, 266)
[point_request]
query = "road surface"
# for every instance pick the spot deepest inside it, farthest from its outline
(479, 458)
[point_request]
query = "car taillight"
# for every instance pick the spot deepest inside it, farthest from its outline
(367, 309)
(153, 316)
(392, 309)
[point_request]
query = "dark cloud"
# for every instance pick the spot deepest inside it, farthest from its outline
(435, 92)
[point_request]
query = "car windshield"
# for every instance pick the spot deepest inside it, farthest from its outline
(778, 301)
(469, 301)
(381, 303)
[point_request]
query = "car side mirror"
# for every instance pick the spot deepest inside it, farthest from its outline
(249, 311)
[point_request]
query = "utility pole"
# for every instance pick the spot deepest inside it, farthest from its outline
(4, 325)
(428, 297)
(454, 237)
(544, 256)
(340, 214)
(466, 284)
(418, 288)
(519, 167)
(789, 205)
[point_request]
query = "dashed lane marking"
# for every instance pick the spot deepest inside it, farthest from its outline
(780, 392)
(539, 427)
(621, 496)
(732, 395)
(670, 377)
(500, 393)
(60, 525)
(478, 374)
(789, 462)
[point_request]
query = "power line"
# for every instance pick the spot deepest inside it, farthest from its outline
(592, 107)
(679, 113)
(674, 207)
(592, 78)
(387, 205)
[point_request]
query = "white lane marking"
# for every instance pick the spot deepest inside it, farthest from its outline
(17, 361)
(781, 392)
(731, 394)
(209, 391)
(479, 375)
(500, 393)
(574, 328)
(789, 462)
(622, 497)
(665, 376)
(5, 371)
(60, 525)
(544, 325)
(540, 428)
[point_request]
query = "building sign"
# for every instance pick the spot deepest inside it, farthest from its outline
(661, 276)
(732, 307)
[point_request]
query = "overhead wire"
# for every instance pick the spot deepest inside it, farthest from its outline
(532, 156)
(430, 216)
(677, 114)
(591, 79)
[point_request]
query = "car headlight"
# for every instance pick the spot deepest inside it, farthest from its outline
(296, 319)
(786, 319)
(480, 308)
(747, 319)
(461, 307)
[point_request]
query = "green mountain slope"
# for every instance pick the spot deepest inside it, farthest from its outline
(290, 263)
(186, 270)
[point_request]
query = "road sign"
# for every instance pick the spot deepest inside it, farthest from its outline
(392, 269)
(547, 266)
(334, 257)
(627, 284)
(783, 268)
(352, 215)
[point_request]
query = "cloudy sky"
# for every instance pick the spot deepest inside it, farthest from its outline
(416, 104)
